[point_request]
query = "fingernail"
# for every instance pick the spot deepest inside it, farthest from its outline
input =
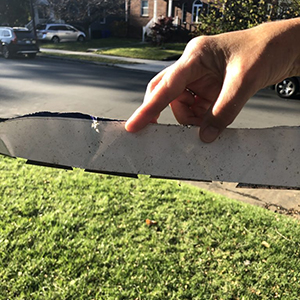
(130, 128)
(209, 134)
(127, 126)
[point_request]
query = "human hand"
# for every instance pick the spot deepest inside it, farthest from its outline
(216, 75)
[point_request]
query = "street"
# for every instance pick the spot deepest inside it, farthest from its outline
(28, 86)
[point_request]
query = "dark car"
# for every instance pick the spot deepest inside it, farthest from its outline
(288, 87)
(17, 41)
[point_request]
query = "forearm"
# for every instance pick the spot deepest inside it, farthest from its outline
(263, 55)
(283, 46)
(292, 40)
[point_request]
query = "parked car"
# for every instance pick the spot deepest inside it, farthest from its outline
(59, 33)
(288, 87)
(17, 41)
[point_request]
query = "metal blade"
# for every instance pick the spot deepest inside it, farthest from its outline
(267, 157)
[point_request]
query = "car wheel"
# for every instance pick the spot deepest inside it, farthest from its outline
(287, 88)
(5, 52)
(81, 39)
(55, 40)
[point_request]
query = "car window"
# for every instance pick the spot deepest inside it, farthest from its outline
(6, 33)
(41, 27)
(58, 27)
(54, 28)
(24, 34)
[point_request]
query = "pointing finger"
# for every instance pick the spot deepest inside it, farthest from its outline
(162, 90)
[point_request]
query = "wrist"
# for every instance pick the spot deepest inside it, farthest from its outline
(285, 39)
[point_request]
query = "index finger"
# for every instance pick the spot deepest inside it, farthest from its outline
(161, 91)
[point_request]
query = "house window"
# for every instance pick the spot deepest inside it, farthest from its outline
(197, 10)
(145, 8)
(102, 16)
(183, 13)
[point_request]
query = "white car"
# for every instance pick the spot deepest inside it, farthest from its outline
(59, 33)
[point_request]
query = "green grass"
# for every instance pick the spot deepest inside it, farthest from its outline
(97, 43)
(146, 51)
(88, 58)
(76, 235)
(124, 47)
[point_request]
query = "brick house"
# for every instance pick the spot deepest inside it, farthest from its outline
(142, 14)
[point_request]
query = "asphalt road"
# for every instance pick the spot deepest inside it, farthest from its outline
(43, 84)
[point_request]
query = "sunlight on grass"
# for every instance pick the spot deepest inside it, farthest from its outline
(88, 58)
(146, 52)
(97, 43)
(123, 47)
(76, 235)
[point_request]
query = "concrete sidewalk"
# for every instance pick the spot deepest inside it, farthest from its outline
(285, 202)
(281, 201)
(154, 66)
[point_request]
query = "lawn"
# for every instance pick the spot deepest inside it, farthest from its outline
(92, 44)
(123, 47)
(77, 235)
(102, 60)
(146, 51)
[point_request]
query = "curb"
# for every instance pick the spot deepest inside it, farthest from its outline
(285, 202)
(105, 64)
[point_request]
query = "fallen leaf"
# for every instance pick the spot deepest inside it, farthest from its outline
(265, 244)
(247, 262)
(150, 222)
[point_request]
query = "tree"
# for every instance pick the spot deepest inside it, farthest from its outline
(84, 11)
(229, 15)
(284, 9)
(14, 12)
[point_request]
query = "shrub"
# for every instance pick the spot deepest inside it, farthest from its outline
(162, 30)
(229, 15)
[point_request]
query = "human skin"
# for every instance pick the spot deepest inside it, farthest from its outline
(223, 72)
